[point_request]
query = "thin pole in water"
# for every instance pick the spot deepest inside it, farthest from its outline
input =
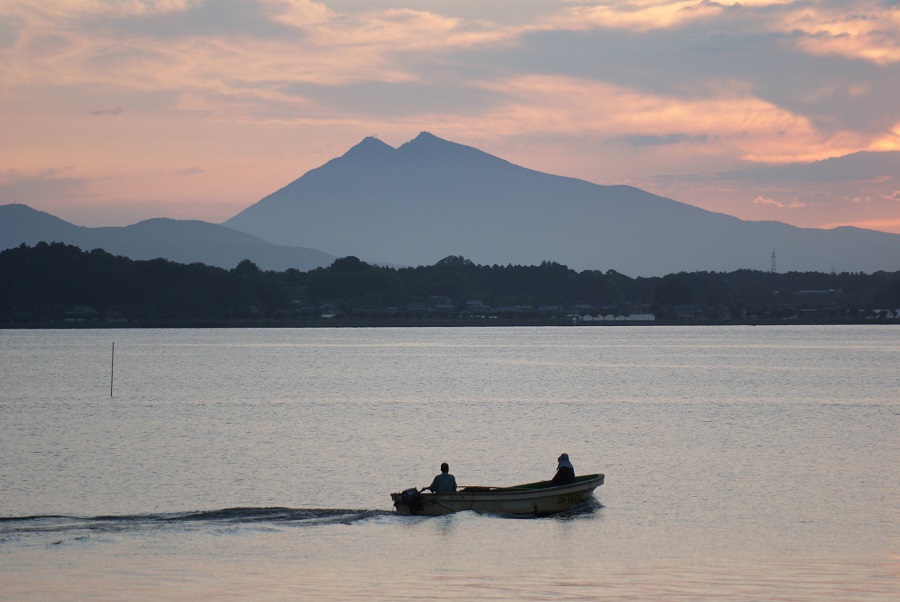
(112, 369)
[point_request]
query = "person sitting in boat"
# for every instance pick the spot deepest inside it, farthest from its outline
(565, 472)
(444, 482)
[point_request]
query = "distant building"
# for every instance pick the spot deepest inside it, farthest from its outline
(81, 313)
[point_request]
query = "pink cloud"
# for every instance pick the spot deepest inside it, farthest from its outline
(869, 31)
(761, 200)
(873, 195)
(637, 15)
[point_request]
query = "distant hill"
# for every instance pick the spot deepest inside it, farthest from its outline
(183, 241)
(431, 198)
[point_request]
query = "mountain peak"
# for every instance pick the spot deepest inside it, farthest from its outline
(426, 137)
(369, 145)
(430, 149)
(17, 212)
(427, 140)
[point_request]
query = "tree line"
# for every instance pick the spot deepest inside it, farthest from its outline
(57, 284)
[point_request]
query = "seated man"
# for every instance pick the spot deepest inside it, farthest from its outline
(565, 472)
(444, 482)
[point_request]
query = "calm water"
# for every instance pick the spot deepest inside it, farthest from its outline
(743, 463)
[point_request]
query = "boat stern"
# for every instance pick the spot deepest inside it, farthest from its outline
(408, 501)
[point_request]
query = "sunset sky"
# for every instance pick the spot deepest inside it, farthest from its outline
(112, 112)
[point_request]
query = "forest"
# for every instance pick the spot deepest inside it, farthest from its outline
(58, 285)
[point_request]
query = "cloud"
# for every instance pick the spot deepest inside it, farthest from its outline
(113, 112)
(861, 30)
(234, 49)
(191, 171)
(733, 124)
(10, 30)
(391, 100)
(761, 200)
(662, 139)
(258, 54)
(852, 167)
(186, 19)
(498, 11)
(17, 187)
(877, 194)
(868, 31)
(637, 15)
(737, 48)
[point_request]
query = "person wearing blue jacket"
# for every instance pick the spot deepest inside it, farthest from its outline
(565, 472)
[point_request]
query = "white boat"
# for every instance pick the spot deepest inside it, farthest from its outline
(541, 498)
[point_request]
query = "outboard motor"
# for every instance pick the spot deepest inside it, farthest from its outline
(412, 499)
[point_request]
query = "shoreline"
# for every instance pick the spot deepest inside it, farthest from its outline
(480, 323)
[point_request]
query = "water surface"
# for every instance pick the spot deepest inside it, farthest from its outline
(741, 462)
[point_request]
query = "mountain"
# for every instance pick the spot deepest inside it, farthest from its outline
(431, 198)
(182, 241)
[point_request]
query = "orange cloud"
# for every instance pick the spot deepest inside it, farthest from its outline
(761, 200)
(874, 195)
(647, 15)
(406, 29)
(734, 124)
(890, 141)
(869, 31)
(329, 48)
(866, 30)
(637, 15)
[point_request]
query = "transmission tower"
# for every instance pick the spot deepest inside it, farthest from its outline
(772, 269)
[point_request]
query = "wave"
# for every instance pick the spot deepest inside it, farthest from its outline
(16, 526)
(72, 527)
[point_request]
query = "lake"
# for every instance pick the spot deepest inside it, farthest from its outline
(741, 463)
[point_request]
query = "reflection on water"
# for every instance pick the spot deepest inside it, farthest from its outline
(742, 463)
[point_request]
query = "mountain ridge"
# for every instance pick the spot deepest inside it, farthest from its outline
(182, 241)
(431, 198)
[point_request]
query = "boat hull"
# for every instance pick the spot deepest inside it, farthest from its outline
(536, 499)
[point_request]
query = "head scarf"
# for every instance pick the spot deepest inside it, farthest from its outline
(564, 461)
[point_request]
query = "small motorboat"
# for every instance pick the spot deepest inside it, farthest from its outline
(538, 499)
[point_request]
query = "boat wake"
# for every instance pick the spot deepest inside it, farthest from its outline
(68, 526)
(62, 528)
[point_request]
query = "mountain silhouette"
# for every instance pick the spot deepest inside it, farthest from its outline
(431, 198)
(182, 241)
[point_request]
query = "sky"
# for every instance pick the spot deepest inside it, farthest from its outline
(112, 111)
